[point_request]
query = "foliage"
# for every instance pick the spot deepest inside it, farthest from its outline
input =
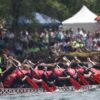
(59, 9)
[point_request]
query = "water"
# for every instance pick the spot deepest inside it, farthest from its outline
(58, 95)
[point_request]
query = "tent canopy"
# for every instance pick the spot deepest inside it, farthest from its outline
(83, 16)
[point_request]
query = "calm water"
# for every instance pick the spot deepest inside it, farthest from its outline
(58, 95)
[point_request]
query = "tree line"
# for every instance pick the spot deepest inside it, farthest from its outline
(59, 9)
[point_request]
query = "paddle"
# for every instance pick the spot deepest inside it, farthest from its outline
(28, 79)
(83, 80)
(46, 87)
(96, 78)
(53, 88)
(75, 84)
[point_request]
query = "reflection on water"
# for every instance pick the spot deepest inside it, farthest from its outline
(58, 95)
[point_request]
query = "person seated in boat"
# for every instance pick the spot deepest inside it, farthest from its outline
(48, 76)
(1, 84)
(9, 68)
(80, 68)
(95, 66)
(27, 71)
(86, 72)
(16, 78)
(71, 67)
(71, 70)
(62, 75)
(37, 73)
(42, 73)
(76, 72)
(8, 75)
(91, 70)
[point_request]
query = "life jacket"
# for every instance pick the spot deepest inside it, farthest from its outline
(22, 73)
(19, 74)
(80, 70)
(38, 73)
(71, 71)
(16, 73)
(96, 71)
(9, 79)
(58, 71)
(25, 72)
(48, 73)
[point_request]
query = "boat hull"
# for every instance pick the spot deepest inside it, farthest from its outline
(14, 91)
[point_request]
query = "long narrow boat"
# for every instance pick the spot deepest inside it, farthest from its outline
(15, 91)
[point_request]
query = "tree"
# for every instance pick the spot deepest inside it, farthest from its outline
(97, 6)
(59, 9)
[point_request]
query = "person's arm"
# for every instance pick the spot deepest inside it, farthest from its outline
(15, 60)
(87, 75)
(64, 77)
(9, 62)
(37, 80)
(68, 62)
(77, 59)
(5, 56)
(89, 60)
(30, 62)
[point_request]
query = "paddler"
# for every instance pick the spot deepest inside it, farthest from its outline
(62, 75)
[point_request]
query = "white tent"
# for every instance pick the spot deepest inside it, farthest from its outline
(82, 19)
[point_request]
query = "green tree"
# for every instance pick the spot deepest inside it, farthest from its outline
(59, 9)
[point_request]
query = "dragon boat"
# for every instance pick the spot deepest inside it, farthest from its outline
(16, 91)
